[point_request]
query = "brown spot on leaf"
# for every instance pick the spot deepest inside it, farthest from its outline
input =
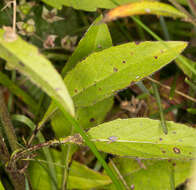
(190, 152)
(163, 151)
(92, 120)
(176, 150)
(115, 69)
(155, 57)
(75, 90)
(174, 164)
(131, 53)
(99, 89)
(124, 62)
(160, 139)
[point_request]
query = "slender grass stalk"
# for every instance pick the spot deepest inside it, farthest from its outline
(51, 169)
(164, 27)
(173, 87)
(169, 88)
(158, 99)
(119, 175)
(92, 146)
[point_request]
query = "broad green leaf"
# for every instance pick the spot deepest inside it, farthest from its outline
(81, 177)
(103, 73)
(144, 8)
(96, 38)
(26, 58)
(152, 174)
(143, 138)
(87, 5)
(1, 186)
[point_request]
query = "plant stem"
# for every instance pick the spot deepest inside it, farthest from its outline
(119, 174)
(7, 124)
(16, 178)
(169, 88)
(70, 139)
(163, 123)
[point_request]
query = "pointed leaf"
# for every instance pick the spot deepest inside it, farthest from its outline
(143, 138)
(26, 58)
(144, 8)
(102, 73)
(96, 38)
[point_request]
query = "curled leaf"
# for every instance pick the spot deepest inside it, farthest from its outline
(143, 8)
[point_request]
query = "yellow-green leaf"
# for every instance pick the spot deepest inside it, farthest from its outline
(144, 138)
(26, 59)
(103, 73)
(143, 8)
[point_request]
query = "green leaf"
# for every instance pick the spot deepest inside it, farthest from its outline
(26, 58)
(86, 5)
(103, 73)
(152, 174)
(1, 186)
(81, 177)
(87, 117)
(143, 138)
(96, 38)
(39, 175)
(144, 8)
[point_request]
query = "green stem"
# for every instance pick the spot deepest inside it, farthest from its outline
(164, 27)
(16, 178)
(163, 123)
(7, 124)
